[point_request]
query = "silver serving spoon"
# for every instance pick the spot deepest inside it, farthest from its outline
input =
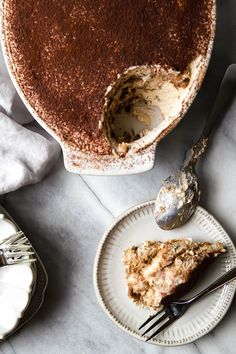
(180, 193)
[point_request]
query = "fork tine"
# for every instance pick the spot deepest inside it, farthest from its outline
(14, 248)
(150, 318)
(21, 261)
(163, 317)
(12, 238)
(166, 324)
(18, 254)
(22, 240)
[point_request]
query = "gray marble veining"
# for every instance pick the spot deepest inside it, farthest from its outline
(65, 216)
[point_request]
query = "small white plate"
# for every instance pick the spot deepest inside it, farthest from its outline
(138, 225)
(15, 285)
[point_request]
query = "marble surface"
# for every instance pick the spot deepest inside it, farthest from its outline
(65, 216)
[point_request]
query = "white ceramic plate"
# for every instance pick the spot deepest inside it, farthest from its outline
(138, 225)
(15, 285)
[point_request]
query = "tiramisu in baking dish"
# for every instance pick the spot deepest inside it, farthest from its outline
(108, 78)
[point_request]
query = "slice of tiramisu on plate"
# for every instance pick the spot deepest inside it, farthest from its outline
(155, 270)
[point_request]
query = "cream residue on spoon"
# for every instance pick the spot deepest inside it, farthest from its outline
(177, 199)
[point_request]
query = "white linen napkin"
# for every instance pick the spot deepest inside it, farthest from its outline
(26, 153)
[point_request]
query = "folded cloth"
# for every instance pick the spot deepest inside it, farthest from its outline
(26, 155)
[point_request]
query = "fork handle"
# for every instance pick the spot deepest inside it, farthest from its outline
(230, 275)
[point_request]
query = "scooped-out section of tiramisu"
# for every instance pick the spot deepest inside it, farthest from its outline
(143, 102)
(155, 270)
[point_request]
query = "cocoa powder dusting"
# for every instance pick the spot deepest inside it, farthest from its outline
(66, 53)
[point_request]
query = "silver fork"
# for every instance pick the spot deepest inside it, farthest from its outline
(173, 311)
(16, 249)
